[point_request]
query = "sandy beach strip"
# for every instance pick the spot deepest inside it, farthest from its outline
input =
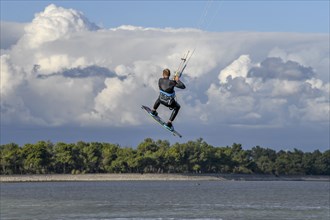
(156, 177)
(105, 177)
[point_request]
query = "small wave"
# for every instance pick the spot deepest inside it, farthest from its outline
(162, 219)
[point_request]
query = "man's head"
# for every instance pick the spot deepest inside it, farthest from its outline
(166, 73)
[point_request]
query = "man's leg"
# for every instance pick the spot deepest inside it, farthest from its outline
(176, 107)
(156, 105)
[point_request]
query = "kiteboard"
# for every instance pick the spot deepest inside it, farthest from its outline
(161, 121)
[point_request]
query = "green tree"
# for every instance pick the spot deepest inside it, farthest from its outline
(147, 146)
(281, 163)
(37, 157)
(161, 155)
(321, 162)
(125, 161)
(10, 159)
(109, 154)
(242, 160)
(265, 165)
(325, 160)
(180, 156)
(91, 155)
(65, 157)
(296, 162)
(264, 159)
(158, 157)
(148, 160)
(201, 156)
(289, 163)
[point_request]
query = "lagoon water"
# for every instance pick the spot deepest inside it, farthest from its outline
(166, 200)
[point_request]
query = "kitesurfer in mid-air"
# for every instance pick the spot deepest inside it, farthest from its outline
(167, 95)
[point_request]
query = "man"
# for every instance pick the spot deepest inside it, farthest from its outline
(167, 95)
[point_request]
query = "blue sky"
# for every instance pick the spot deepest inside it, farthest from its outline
(259, 75)
(277, 16)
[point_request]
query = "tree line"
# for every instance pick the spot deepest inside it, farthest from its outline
(158, 156)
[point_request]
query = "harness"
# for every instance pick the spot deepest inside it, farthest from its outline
(166, 98)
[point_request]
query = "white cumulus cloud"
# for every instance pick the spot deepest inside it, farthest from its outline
(55, 23)
(64, 70)
(270, 93)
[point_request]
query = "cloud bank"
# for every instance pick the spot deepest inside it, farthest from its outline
(64, 70)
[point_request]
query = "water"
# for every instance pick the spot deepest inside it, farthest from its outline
(166, 200)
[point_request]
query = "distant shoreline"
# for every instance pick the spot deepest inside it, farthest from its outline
(155, 177)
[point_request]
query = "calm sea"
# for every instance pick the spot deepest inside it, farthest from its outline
(166, 200)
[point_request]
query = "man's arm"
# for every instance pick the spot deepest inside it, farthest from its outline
(179, 84)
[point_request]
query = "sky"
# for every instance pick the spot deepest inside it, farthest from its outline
(80, 70)
(279, 16)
